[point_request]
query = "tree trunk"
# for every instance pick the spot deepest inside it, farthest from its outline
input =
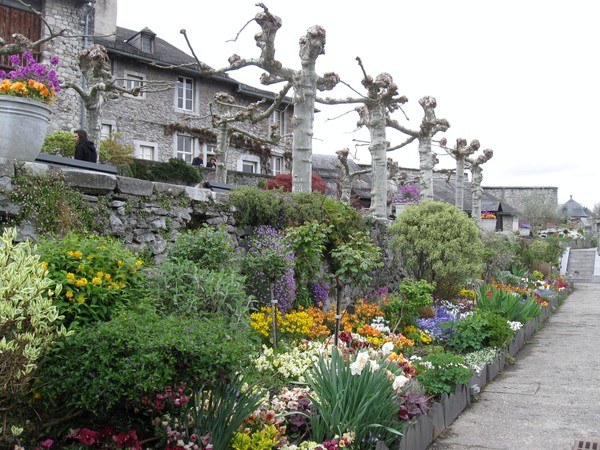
(460, 182)
(305, 91)
(476, 192)
(378, 147)
(223, 138)
(427, 161)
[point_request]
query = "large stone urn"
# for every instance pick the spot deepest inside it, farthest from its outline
(23, 125)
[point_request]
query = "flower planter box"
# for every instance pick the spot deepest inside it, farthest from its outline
(529, 329)
(493, 369)
(418, 435)
(488, 224)
(477, 382)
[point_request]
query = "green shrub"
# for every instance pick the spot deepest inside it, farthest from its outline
(547, 250)
(506, 304)
(174, 171)
(440, 244)
(180, 287)
(53, 206)
(482, 329)
(440, 372)
(206, 246)
(99, 275)
(414, 296)
(107, 369)
(113, 150)
(346, 398)
(499, 252)
(29, 322)
(59, 143)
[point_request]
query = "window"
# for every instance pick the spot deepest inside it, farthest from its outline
(277, 165)
(147, 43)
(145, 150)
(133, 81)
(278, 118)
(106, 131)
(185, 93)
(249, 166)
(185, 148)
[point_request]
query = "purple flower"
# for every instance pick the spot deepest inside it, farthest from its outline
(54, 60)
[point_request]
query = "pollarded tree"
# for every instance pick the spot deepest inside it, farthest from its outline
(347, 177)
(438, 243)
(477, 192)
(305, 82)
(430, 125)
(100, 85)
(460, 152)
(378, 103)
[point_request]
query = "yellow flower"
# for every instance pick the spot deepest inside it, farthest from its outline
(81, 299)
(37, 395)
(70, 277)
(81, 267)
(425, 338)
(44, 265)
(97, 280)
(138, 263)
(69, 294)
(81, 282)
(120, 263)
(70, 253)
(5, 86)
(77, 254)
(107, 276)
(89, 258)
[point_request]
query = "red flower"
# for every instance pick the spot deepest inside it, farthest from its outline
(489, 294)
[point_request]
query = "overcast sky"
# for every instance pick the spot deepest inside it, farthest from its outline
(521, 76)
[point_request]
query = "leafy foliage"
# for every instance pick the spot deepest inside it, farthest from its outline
(113, 151)
(482, 329)
(508, 305)
(110, 366)
(438, 243)
(182, 288)
(365, 403)
(100, 275)
(284, 181)
(414, 296)
(269, 268)
(174, 171)
(206, 246)
(59, 143)
(440, 372)
(29, 322)
(499, 252)
(53, 206)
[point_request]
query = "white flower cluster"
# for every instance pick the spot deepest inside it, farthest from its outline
(479, 358)
(379, 323)
(515, 326)
(291, 364)
(363, 359)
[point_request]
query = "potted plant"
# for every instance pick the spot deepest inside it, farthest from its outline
(25, 95)
(407, 193)
(488, 220)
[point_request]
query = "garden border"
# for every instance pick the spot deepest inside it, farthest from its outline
(421, 433)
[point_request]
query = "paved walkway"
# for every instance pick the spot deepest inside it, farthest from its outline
(550, 397)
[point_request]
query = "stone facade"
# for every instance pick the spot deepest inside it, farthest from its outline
(152, 122)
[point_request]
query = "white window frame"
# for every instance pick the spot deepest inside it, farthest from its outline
(132, 80)
(184, 98)
(247, 158)
(278, 117)
(178, 153)
(274, 169)
(112, 128)
(137, 146)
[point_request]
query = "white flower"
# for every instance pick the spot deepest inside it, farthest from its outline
(374, 366)
(357, 366)
(387, 348)
(399, 381)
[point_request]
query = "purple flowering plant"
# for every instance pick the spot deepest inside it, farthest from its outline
(30, 79)
(408, 193)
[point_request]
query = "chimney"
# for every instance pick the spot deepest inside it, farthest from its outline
(105, 21)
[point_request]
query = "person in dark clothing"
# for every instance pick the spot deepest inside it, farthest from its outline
(198, 161)
(85, 150)
(212, 163)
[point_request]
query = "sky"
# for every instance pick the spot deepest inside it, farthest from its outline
(520, 76)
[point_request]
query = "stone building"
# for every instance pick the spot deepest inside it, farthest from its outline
(171, 121)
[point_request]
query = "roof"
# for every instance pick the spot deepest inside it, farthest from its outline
(444, 186)
(166, 54)
(573, 209)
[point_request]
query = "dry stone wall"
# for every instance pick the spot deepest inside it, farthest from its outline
(149, 215)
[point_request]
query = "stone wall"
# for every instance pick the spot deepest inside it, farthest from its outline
(151, 215)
